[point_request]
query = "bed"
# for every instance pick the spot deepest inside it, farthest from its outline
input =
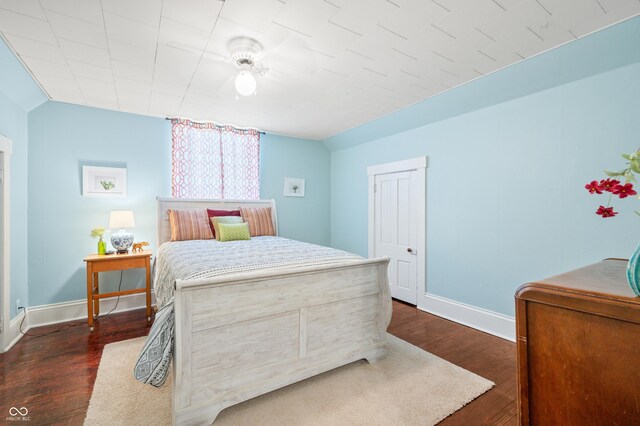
(242, 334)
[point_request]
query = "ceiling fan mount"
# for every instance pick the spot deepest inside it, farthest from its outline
(246, 54)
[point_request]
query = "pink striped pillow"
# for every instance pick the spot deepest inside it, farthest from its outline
(189, 225)
(259, 220)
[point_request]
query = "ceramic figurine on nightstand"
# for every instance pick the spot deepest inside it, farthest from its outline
(121, 240)
(138, 247)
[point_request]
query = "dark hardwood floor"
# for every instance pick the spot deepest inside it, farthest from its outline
(53, 375)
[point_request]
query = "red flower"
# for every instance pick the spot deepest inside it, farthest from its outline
(593, 187)
(623, 191)
(608, 184)
(606, 211)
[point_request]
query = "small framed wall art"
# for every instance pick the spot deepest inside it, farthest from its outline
(293, 187)
(104, 181)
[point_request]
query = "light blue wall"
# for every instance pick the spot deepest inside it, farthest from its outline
(305, 218)
(505, 184)
(63, 137)
(18, 94)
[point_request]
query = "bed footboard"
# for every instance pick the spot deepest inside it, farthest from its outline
(242, 335)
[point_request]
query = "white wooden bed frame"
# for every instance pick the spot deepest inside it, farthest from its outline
(241, 335)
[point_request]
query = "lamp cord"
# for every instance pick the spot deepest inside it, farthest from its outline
(65, 327)
(118, 299)
(68, 326)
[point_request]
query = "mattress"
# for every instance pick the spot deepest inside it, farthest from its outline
(197, 259)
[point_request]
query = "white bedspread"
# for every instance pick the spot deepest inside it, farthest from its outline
(187, 260)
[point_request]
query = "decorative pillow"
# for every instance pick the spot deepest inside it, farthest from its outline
(189, 225)
(215, 213)
(259, 220)
(215, 221)
(233, 231)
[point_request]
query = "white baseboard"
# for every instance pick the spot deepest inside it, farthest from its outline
(69, 311)
(481, 319)
(77, 309)
(13, 333)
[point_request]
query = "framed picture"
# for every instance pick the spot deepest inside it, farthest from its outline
(104, 181)
(293, 187)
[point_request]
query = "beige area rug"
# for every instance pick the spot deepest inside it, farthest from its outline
(408, 387)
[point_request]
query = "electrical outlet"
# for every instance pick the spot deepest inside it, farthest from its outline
(18, 305)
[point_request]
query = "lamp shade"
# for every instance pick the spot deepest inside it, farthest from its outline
(121, 219)
(246, 83)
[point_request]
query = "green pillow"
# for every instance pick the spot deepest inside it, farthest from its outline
(224, 219)
(233, 231)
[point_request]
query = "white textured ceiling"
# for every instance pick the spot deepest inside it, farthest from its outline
(333, 64)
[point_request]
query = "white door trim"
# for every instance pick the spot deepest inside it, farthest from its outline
(398, 166)
(420, 165)
(5, 279)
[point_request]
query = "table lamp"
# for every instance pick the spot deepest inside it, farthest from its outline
(121, 240)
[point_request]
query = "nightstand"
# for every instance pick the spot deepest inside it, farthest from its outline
(114, 262)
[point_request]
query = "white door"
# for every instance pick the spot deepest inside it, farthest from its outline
(396, 230)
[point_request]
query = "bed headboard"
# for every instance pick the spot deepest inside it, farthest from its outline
(166, 204)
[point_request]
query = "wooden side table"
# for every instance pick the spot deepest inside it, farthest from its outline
(114, 262)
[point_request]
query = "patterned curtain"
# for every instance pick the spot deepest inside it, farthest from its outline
(211, 161)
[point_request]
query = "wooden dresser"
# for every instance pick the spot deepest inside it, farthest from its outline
(578, 340)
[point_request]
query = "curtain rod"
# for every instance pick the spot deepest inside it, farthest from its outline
(216, 124)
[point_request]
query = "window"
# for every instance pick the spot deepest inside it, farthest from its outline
(212, 161)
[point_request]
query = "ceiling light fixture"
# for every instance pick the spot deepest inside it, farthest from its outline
(246, 83)
(246, 56)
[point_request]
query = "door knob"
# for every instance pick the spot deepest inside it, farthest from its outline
(409, 250)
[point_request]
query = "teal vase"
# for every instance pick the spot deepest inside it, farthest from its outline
(102, 246)
(633, 271)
